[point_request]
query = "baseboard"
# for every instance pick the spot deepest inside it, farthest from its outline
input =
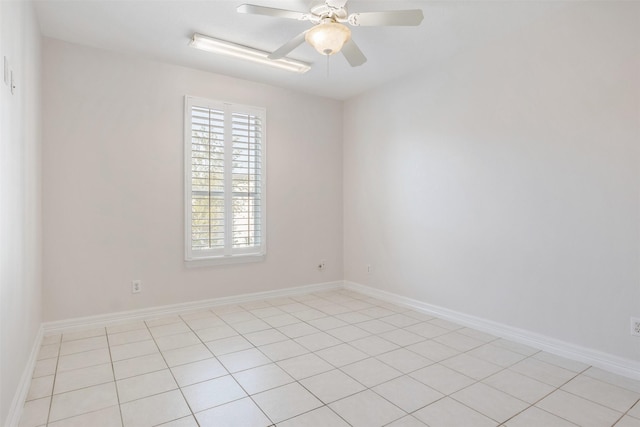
(68, 325)
(617, 365)
(15, 411)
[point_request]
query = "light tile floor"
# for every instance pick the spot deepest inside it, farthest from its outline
(326, 359)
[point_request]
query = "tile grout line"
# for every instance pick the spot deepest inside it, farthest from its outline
(115, 383)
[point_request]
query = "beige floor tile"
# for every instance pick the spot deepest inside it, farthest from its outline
(578, 410)
(126, 327)
(375, 326)
(635, 411)
(205, 322)
(628, 421)
(407, 393)
(332, 385)
(318, 341)
(283, 350)
(228, 345)
(341, 355)
(401, 337)
(609, 395)
(325, 323)
(367, 409)
(179, 340)
(35, 412)
(433, 350)
(458, 341)
(262, 378)
(87, 333)
(371, 372)
(199, 371)
(348, 333)
(298, 401)
(108, 417)
(373, 345)
(40, 387)
(427, 330)
(543, 371)
(81, 345)
(51, 339)
(471, 366)
(213, 393)
(404, 360)
(408, 421)
(138, 366)
(519, 386)
(297, 330)
(514, 346)
(251, 326)
(449, 413)
(48, 351)
(183, 355)
(181, 422)
(170, 329)
(154, 410)
(611, 378)
(245, 359)
(537, 417)
(145, 385)
(305, 366)
(241, 413)
(84, 377)
(45, 367)
(84, 359)
(267, 336)
(479, 335)
(135, 349)
(324, 417)
(81, 401)
(563, 362)
(442, 379)
(497, 355)
(216, 333)
(488, 401)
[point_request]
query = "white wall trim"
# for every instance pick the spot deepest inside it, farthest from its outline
(618, 365)
(68, 325)
(15, 411)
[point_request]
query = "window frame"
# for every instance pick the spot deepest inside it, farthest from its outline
(228, 255)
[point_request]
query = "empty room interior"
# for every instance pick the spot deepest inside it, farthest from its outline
(292, 213)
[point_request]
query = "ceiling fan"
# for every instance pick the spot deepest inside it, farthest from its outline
(329, 35)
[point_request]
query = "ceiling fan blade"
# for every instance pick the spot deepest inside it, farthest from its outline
(353, 54)
(284, 50)
(410, 17)
(270, 11)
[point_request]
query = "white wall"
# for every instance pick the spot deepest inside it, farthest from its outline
(504, 183)
(20, 193)
(113, 188)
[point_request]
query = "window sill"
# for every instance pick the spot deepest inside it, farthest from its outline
(222, 260)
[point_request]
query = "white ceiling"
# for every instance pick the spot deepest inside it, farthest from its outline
(161, 30)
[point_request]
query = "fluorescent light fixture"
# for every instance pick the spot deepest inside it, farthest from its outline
(222, 47)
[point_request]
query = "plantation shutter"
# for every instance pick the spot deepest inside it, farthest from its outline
(225, 180)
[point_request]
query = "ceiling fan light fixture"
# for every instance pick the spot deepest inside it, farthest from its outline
(234, 50)
(328, 37)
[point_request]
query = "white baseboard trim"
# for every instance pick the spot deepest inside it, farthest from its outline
(68, 325)
(617, 365)
(17, 404)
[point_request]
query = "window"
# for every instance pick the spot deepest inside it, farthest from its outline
(224, 179)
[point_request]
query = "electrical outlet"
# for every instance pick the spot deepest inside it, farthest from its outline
(369, 269)
(635, 326)
(136, 286)
(321, 265)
